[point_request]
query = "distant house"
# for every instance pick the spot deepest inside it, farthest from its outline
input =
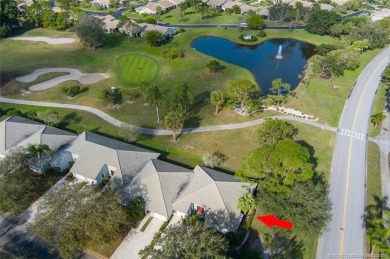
(166, 32)
(229, 5)
(149, 8)
(152, 7)
(264, 12)
(216, 4)
(96, 156)
(245, 8)
(110, 24)
(167, 5)
(176, 2)
(102, 3)
(215, 195)
(20, 132)
(304, 3)
(327, 7)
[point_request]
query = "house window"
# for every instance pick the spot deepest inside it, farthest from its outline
(112, 172)
(102, 176)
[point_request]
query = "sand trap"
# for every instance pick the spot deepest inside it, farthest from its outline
(74, 74)
(53, 41)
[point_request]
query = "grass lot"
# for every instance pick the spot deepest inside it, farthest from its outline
(23, 57)
(133, 15)
(235, 144)
(374, 187)
(320, 100)
(191, 17)
(378, 107)
(134, 69)
(373, 173)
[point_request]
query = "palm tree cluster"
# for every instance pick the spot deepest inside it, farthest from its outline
(180, 100)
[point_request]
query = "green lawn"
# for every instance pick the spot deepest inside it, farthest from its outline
(190, 148)
(135, 69)
(23, 57)
(378, 107)
(374, 187)
(133, 15)
(320, 100)
(191, 17)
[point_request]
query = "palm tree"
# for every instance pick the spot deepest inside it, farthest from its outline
(183, 96)
(144, 89)
(217, 98)
(38, 150)
(173, 122)
(153, 95)
(246, 203)
(378, 118)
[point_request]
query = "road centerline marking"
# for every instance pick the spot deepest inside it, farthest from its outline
(341, 251)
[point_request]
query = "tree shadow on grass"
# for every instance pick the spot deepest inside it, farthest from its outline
(113, 40)
(70, 118)
(200, 100)
(294, 249)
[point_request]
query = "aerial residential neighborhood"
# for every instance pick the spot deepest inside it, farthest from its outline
(194, 129)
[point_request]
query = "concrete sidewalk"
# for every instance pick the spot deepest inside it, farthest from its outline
(136, 240)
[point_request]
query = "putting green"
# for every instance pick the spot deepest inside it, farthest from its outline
(137, 68)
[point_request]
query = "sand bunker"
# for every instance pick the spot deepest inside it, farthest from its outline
(53, 41)
(74, 74)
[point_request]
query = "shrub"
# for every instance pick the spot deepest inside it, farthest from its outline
(154, 38)
(71, 91)
(150, 20)
(251, 39)
(214, 159)
(113, 95)
(171, 53)
(14, 112)
(137, 208)
(70, 178)
(261, 34)
(181, 30)
(129, 134)
(214, 66)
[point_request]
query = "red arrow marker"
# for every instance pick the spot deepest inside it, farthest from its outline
(271, 221)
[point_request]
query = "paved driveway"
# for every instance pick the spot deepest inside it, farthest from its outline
(137, 240)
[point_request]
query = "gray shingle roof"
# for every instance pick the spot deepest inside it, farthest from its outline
(96, 151)
(18, 131)
(160, 183)
(215, 190)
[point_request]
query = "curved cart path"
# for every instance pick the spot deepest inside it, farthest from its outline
(74, 74)
(161, 132)
(48, 40)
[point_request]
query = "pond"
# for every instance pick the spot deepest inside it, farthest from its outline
(265, 60)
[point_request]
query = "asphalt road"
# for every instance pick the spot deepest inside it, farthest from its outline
(345, 233)
(15, 240)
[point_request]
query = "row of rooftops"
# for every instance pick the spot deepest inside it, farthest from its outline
(165, 187)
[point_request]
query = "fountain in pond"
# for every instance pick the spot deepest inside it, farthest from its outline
(279, 55)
